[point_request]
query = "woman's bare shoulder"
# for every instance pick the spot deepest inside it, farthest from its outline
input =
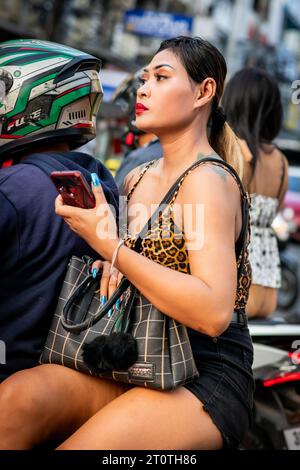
(210, 179)
(134, 174)
(273, 153)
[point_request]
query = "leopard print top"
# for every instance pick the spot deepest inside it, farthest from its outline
(164, 245)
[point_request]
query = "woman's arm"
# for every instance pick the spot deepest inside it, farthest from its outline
(284, 188)
(205, 299)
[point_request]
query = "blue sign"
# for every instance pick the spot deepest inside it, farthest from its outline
(157, 24)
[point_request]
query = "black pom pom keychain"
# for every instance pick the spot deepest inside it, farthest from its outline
(117, 351)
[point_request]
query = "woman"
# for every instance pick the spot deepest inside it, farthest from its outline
(194, 283)
(253, 106)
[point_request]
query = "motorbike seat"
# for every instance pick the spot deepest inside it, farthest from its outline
(267, 321)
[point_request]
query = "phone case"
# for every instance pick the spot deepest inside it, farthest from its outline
(73, 188)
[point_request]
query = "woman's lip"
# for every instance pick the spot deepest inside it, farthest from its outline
(140, 108)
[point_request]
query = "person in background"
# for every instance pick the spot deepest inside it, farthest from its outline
(253, 107)
(142, 146)
(50, 96)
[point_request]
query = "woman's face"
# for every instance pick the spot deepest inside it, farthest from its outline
(166, 100)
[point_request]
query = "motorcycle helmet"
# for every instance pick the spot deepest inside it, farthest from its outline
(125, 99)
(49, 93)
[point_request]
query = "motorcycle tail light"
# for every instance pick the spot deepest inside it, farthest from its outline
(282, 378)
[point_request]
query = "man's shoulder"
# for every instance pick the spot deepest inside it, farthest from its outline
(7, 174)
(23, 184)
(20, 170)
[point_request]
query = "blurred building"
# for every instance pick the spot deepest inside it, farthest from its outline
(125, 33)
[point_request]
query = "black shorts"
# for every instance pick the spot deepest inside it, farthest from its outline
(225, 385)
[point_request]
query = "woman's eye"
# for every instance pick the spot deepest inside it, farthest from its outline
(141, 81)
(160, 77)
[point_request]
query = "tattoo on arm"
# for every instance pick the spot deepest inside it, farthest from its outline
(220, 171)
(217, 169)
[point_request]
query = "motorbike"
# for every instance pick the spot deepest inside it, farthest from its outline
(276, 370)
(288, 293)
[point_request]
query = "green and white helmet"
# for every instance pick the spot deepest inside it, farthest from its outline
(48, 93)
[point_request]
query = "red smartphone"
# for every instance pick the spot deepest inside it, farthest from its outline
(73, 188)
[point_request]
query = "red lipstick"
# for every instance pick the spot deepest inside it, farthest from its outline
(140, 108)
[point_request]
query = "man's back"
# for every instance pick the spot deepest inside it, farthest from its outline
(35, 248)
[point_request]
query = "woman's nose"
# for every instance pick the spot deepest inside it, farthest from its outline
(143, 90)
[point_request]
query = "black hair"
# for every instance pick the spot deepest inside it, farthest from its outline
(253, 107)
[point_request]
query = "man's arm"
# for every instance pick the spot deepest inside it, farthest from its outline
(8, 226)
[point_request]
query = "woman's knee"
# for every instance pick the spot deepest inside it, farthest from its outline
(21, 395)
(20, 413)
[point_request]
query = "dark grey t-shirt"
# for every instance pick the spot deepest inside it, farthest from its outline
(138, 157)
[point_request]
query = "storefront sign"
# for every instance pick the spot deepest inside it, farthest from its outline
(157, 24)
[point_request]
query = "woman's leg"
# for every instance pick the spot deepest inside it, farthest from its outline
(148, 419)
(49, 402)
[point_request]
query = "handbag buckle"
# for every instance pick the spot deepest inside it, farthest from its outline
(142, 371)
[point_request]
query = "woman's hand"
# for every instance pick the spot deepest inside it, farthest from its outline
(108, 283)
(96, 226)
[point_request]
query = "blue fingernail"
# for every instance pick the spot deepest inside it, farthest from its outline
(95, 270)
(109, 313)
(95, 179)
(118, 304)
(103, 300)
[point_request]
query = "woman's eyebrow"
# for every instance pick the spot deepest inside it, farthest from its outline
(159, 66)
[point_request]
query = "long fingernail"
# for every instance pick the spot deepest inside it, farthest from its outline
(95, 270)
(95, 179)
(118, 304)
(109, 313)
(103, 300)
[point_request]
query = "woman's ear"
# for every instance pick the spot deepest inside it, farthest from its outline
(205, 92)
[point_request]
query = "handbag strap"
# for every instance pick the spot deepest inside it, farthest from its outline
(82, 297)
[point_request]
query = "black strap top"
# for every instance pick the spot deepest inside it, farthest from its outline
(165, 242)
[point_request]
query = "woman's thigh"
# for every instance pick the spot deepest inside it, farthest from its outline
(148, 419)
(51, 401)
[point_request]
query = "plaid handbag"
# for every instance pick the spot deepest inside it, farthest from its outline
(163, 359)
(164, 356)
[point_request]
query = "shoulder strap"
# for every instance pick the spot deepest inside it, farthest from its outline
(168, 198)
(282, 178)
(139, 178)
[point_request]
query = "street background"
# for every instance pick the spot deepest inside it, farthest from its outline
(125, 33)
